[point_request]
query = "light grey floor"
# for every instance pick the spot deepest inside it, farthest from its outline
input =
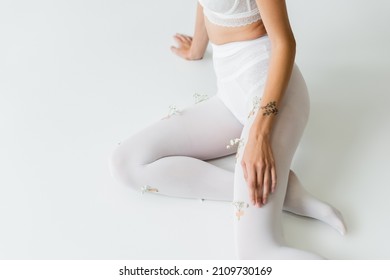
(77, 77)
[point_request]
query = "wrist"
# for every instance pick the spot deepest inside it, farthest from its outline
(195, 54)
(264, 119)
(262, 125)
(260, 131)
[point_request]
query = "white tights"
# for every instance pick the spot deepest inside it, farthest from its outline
(169, 157)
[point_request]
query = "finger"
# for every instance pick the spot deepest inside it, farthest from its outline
(182, 42)
(243, 165)
(177, 51)
(252, 186)
(174, 50)
(178, 40)
(260, 184)
(187, 38)
(272, 171)
(273, 176)
(255, 195)
(181, 38)
(266, 185)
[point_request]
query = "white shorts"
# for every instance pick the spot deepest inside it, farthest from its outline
(241, 68)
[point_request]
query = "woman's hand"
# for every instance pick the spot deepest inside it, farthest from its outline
(184, 49)
(259, 168)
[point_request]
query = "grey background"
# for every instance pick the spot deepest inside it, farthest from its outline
(77, 77)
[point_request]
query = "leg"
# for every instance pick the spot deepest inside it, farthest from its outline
(142, 160)
(258, 231)
(169, 156)
(299, 201)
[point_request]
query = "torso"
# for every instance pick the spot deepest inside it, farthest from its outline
(232, 20)
(221, 35)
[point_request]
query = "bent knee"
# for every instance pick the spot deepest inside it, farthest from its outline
(124, 168)
(117, 162)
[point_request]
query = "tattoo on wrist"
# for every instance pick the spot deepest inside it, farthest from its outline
(270, 109)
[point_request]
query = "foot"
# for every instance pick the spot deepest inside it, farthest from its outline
(300, 202)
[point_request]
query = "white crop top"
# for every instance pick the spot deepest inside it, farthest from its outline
(230, 12)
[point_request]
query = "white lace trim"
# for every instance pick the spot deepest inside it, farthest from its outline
(232, 20)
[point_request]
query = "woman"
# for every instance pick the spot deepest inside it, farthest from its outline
(259, 112)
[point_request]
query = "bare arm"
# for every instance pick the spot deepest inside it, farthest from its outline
(275, 18)
(258, 162)
(193, 48)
